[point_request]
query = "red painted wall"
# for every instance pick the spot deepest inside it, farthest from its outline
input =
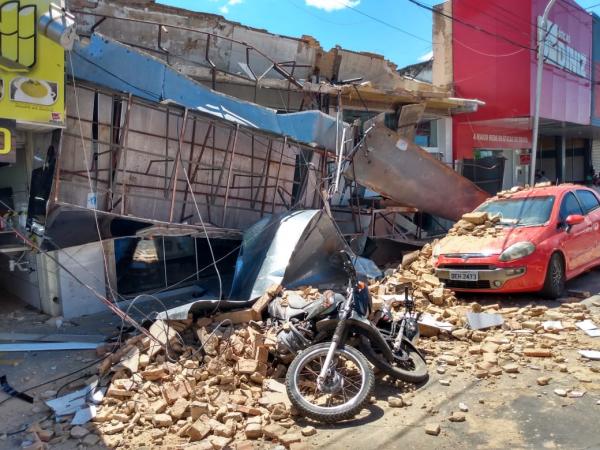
(502, 74)
(489, 68)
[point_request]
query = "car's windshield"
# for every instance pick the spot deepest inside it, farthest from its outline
(520, 211)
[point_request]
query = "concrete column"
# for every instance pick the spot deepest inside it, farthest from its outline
(562, 158)
(444, 138)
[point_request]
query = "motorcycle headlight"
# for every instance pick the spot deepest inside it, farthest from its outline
(517, 251)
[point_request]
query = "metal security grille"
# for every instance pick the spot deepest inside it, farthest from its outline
(596, 154)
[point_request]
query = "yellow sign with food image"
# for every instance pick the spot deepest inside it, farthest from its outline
(32, 67)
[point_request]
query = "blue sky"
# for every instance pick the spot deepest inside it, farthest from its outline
(339, 22)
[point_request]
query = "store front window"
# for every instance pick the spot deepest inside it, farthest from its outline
(427, 134)
(164, 262)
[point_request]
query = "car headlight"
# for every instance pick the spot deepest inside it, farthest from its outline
(517, 251)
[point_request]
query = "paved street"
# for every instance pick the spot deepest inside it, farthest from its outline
(502, 411)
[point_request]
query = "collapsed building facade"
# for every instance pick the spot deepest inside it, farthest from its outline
(179, 126)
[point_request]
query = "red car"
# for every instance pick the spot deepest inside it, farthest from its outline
(549, 235)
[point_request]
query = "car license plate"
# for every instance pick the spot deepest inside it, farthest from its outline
(464, 275)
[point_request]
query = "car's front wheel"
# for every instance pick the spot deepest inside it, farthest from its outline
(554, 285)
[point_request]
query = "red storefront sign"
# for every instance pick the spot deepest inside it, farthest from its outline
(499, 68)
(469, 136)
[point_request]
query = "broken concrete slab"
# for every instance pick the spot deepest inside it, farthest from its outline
(70, 403)
(482, 321)
(164, 336)
(589, 328)
(590, 354)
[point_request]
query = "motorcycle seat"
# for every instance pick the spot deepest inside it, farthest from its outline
(293, 306)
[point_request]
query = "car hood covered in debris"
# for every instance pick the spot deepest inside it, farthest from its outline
(489, 245)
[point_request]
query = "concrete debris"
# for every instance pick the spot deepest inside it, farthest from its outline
(219, 396)
(521, 343)
(589, 328)
(395, 402)
(590, 354)
(550, 325)
(214, 386)
(457, 416)
(308, 431)
(560, 392)
(74, 401)
(418, 272)
(543, 381)
(432, 429)
(481, 321)
(579, 294)
(478, 224)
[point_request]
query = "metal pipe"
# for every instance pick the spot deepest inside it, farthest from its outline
(266, 169)
(124, 174)
(189, 170)
(538, 87)
(228, 149)
(339, 162)
(229, 175)
(176, 168)
(278, 174)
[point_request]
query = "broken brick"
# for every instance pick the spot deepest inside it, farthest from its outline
(199, 430)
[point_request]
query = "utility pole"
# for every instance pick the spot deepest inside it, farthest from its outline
(541, 33)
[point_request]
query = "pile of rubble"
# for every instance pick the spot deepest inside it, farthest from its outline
(534, 337)
(510, 192)
(478, 224)
(417, 270)
(203, 385)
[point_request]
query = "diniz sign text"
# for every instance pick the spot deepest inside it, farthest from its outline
(558, 51)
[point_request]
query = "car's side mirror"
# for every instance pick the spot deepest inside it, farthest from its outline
(574, 219)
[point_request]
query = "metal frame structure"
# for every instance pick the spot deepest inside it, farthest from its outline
(137, 170)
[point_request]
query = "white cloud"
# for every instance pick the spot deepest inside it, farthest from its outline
(426, 57)
(332, 5)
(225, 8)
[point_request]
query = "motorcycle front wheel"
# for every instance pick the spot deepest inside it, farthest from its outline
(344, 392)
(412, 368)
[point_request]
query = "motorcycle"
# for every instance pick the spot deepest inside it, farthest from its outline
(400, 334)
(331, 381)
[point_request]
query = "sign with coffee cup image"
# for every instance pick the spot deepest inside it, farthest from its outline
(32, 67)
(39, 92)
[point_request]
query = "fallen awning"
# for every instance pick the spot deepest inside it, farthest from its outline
(395, 168)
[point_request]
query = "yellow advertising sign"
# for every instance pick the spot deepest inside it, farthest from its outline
(32, 67)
